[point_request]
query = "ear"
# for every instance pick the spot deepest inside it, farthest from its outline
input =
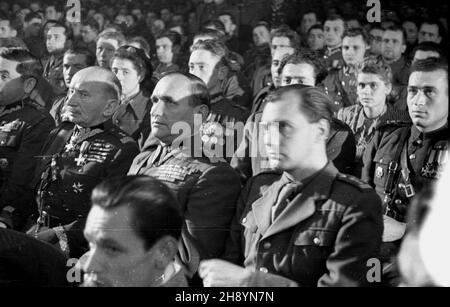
(13, 33)
(403, 48)
(29, 85)
(223, 72)
(111, 107)
(165, 251)
(388, 88)
(439, 39)
(323, 128)
(175, 49)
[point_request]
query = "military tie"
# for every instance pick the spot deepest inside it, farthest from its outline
(287, 194)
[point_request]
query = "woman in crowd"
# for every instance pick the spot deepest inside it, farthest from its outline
(134, 70)
(373, 110)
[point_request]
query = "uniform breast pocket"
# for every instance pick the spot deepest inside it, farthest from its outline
(382, 164)
(8, 140)
(251, 235)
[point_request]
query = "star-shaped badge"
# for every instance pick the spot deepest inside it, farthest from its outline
(77, 188)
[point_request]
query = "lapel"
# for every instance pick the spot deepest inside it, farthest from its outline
(303, 205)
(261, 208)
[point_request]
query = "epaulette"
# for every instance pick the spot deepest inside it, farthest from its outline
(122, 136)
(354, 181)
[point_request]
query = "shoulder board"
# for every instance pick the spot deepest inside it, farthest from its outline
(354, 181)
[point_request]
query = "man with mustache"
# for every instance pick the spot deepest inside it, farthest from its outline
(402, 160)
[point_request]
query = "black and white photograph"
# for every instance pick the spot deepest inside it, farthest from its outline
(224, 148)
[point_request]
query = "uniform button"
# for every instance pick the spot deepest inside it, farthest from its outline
(47, 207)
(267, 245)
(412, 157)
(263, 269)
(316, 241)
(2, 142)
(398, 202)
(244, 220)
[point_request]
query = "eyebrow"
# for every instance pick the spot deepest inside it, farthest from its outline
(164, 98)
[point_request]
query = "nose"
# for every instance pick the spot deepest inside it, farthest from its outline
(157, 109)
(271, 136)
(91, 262)
(420, 99)
(71, 98)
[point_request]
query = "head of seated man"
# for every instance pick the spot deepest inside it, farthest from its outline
(176, 99)
(302, 67)
(19, 71)
(133, 229)
(93, 97)
(428, 94)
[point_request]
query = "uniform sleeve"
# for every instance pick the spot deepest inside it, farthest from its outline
(123, 159)
(16, 191)
(233, 250)
(357, 241)
(241, 161)
(341, 149)
(210, 208)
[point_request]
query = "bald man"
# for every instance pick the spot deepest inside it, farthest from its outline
(82, 151)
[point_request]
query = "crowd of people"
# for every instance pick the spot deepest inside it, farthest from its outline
(220, 143)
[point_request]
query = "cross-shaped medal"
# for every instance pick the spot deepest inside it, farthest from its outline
(80, 160)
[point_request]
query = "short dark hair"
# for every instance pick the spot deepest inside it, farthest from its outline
(92, 23)
(142, 42)
(59, 24)
(286, 31)
(309, 57)
(89, 56)
(264, 24)
(215, 34)
(154, 209)
(200, 92)
(315, 103)
(333, 17)
(228, 13)
(354, 32)
(315, 27)
(216, 23)
(118, 36)
(32, 15)
(216, 47)
(428, 46)
(429, 21)
(397, 28)
(173, 36)
(29, 65)
(377, 66)
(430, 65)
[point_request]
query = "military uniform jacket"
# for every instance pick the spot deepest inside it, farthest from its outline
(341, 86)
(207, 193)
(333, 57)
(251, 157)
(53, 73)
(323, 237)
(364, 128)
(24, 126)
(424, 155)
(77, 168)
(133, 115)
